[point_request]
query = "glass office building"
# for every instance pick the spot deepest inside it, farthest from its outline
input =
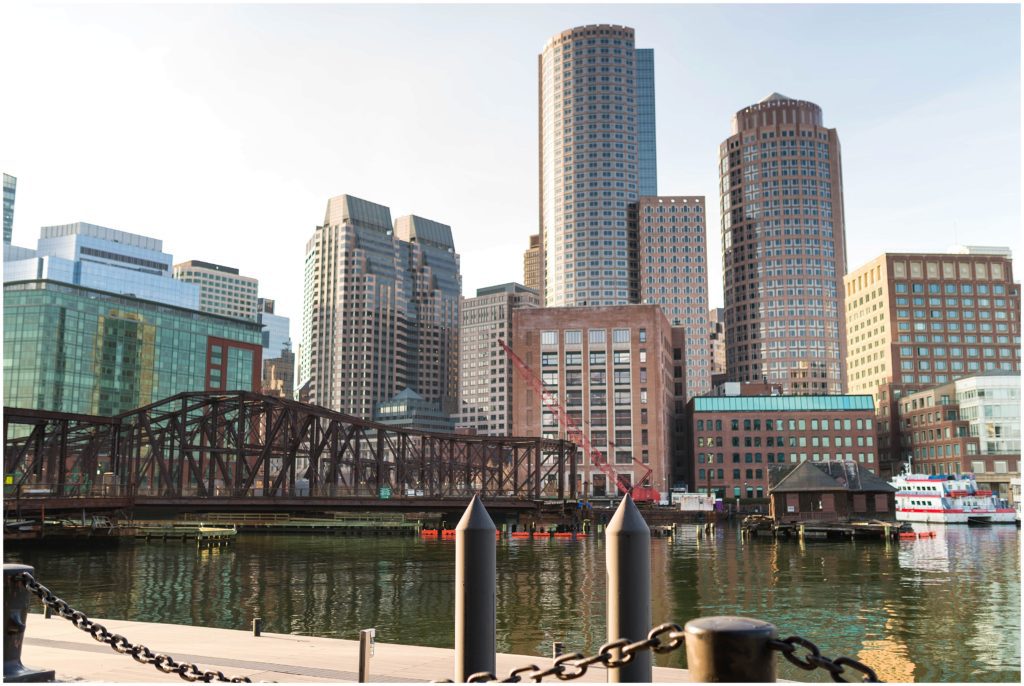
(74, 349)
(10, 189)
(646, 122)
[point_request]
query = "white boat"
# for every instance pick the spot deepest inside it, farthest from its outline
(947, 499)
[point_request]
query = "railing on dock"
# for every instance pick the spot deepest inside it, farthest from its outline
(733, 649)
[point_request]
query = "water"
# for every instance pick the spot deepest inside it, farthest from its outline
(943, 609)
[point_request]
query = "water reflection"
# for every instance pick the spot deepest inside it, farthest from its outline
(942, 609)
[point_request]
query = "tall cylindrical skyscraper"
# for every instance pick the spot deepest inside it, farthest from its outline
(596, 140)
(783, 248)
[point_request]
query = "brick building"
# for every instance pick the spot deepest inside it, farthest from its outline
(738, 438)
(915, 321)
(612, 368)
(970, 425)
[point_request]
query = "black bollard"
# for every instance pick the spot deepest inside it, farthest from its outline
(16, 603)
(732, 649)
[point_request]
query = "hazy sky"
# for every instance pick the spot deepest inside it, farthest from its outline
(224, 129)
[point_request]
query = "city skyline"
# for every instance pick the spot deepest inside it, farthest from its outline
(243, 131)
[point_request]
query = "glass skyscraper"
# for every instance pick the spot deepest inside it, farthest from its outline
(10, 187)
(646, 122)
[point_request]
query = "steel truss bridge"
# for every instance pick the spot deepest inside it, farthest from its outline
(243, 449)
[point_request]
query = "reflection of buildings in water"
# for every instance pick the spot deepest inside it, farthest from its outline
(888, 655)
(992, 625)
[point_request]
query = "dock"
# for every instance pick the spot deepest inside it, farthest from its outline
(55, 643)
(760, 525)
(201, 534)
(333, 524)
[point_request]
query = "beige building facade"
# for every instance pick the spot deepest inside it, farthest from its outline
(533, 266)
(380, 310)
(486, 376)
(222, 290)
(612, 369)
(919, 320)
(784, 248)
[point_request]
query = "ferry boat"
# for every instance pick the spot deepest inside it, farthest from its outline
(947, 499)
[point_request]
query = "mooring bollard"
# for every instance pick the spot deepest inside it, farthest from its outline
(366, 641)
(628, 561)
(16, 603)
(732, 649)
(257, 626)
(475, 582)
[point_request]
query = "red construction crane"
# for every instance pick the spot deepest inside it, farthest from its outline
(578, 436)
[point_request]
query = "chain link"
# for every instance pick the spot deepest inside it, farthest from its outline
(815, 660)
(140, 653)
(666, 638)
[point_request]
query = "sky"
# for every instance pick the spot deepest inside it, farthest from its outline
(224, 129)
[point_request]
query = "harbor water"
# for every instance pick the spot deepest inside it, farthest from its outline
(943, 609)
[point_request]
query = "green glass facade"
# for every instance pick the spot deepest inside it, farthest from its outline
(72, 349)
(782, 403)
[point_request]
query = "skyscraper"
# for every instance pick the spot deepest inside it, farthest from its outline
(486, 376)
(596, 119)
(380, 310)
(783, 247)
(10, 188)
(533, 268)
(672, 246)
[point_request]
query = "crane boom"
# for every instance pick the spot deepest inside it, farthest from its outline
(575, 433)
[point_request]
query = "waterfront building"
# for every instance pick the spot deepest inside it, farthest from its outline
(738, 438)
(486, 376)
(971, 425)
(409, 410)
(102, 259)
(784, 248)
(222, 290)
(533, 266)
(917, 320)
(597, 144)
(68, 348)
(10, 190)
(673, 260)
(832, 491)
(611, 367)
(380, 310)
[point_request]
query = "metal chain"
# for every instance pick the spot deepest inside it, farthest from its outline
(666, 638)
(188, 671)
(814, 659)
(663, 638)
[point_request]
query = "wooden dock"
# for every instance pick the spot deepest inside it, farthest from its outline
(829, 530)
(335, 524)
(202, 535)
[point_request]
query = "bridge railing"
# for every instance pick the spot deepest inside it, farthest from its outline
(27, 491)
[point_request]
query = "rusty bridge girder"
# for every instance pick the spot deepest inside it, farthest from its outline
(246, 445)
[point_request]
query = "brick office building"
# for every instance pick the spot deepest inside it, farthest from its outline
(915, 321)
(970, 425)
(611, 368)
(737, 439)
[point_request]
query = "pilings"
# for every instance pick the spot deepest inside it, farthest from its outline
(475, 592)
(628, 564)
(16, 604)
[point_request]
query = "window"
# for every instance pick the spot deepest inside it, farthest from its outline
(620, 336)
(549, 338)
(573, 337)
(549, 359)
(597, 358)
(597, 336)
(573, 358)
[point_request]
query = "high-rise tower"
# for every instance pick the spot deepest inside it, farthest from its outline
(10, 189)
(596, 116)
(380, 311)
(783, 247)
